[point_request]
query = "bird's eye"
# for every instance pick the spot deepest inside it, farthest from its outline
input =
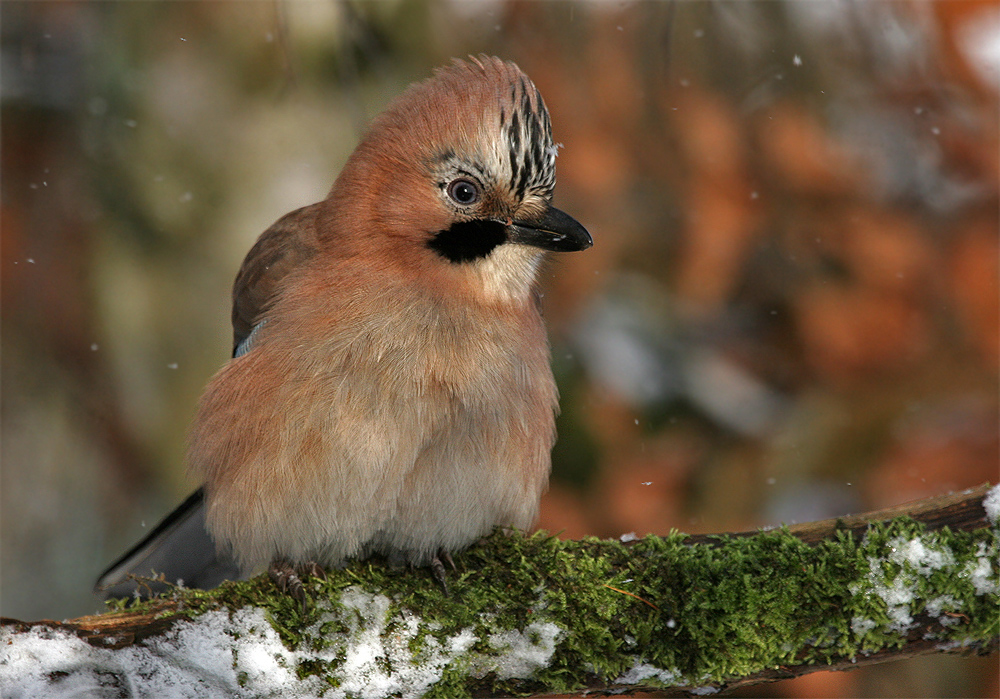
(463, 191)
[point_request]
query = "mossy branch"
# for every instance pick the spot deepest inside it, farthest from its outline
(534, 614)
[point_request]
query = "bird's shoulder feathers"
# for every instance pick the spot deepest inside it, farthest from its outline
(284, 247)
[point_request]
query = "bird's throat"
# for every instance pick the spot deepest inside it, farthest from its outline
(503, 271)
(508, 275)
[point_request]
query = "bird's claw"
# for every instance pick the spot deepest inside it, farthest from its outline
(438, 571)
(288, 578)
(447, 558)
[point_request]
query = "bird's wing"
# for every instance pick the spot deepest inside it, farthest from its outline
(280, 249)
(179, 548)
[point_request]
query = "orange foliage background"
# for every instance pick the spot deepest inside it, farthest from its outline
(790, 312)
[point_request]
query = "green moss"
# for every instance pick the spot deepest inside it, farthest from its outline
(702, 613)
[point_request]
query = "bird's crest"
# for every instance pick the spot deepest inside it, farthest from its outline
(524, 124)
(489, 114)
(527, 132)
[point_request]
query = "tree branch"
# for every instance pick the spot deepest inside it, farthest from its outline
(676, 614)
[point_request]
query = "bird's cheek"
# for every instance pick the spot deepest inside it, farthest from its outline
(408, 205)
(413, 220)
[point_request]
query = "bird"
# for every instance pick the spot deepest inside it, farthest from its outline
(390, 391)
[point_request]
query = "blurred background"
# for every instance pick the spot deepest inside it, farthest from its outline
(790, 312)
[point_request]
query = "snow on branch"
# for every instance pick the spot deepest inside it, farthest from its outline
(533, 614)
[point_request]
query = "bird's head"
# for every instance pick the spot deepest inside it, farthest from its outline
(458, 172)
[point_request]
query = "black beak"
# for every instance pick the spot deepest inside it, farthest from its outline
(553, 230)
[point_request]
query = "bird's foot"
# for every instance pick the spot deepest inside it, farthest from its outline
(288, 578)
(312, 569)
(446, 557)
(437, 569)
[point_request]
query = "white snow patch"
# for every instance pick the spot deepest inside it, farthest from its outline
(461, 642)
(525, 651)
(704, 691)
(861, 626)
(631, 536)
(222, 655)
(980, 572)
(991, 503)
(644, 671)
(922, 557)
(895, 580)
(202, 659)
(938, 607)
(897, 592)
(897, 595)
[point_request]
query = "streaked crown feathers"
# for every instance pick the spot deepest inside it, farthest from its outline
(481, 114)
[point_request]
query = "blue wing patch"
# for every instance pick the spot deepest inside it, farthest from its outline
(247, 344)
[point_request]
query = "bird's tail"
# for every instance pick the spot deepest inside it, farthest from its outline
(179, 548)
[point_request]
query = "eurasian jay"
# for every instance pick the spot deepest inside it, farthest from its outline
(390, 390)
